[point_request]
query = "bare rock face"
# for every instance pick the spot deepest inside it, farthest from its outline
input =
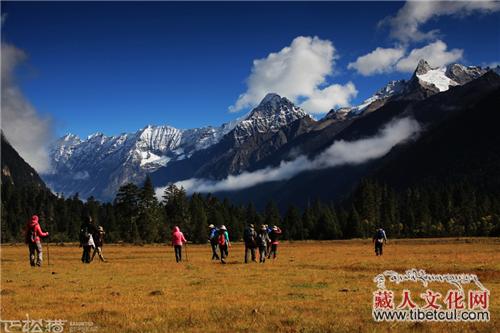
(462, 74)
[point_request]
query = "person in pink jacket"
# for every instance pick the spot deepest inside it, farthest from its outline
(33, 234)
(177, 241)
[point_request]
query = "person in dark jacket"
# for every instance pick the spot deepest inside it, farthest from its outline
(274, 235)
(87, 230)
(262, 241)
(379, 239)
(249, 236)
(33, 234)
(213, 241)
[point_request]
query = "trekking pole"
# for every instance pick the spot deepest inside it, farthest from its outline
(48, 251)
(186, 245)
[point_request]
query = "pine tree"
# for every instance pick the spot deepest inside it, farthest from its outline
(199, 219)
(148, 220)
(127, 207)
(177, 209)
(272, 214)
(292, 224)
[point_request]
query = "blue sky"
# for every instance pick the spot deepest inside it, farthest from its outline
(116, 67)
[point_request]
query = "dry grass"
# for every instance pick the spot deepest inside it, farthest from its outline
(311, 287)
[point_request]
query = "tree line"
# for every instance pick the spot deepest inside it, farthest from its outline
(137, 216)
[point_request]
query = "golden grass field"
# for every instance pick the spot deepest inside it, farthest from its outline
(311, 287)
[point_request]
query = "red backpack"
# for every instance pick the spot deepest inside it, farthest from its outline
(222, 239)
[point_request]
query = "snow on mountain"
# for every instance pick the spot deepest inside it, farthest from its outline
(99, 164)
(447, 76)
(273, 113)
(438, 78)
(391, 89)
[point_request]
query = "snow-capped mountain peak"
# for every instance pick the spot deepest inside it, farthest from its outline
(272, 113)
(446, 76)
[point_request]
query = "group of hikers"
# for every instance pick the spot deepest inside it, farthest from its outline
(265, 240)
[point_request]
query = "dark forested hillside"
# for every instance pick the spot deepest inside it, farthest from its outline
(15, 170)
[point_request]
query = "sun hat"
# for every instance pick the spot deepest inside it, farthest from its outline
(211, 226)
(223, 227)
(275, 228)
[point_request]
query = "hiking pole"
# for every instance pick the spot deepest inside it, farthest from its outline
(48, 250)
(186, 245)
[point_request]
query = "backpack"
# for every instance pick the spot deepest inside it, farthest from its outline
(261, 239)
(222, 239)
(31, 236)
(249, 236)
(380, 234)
(84, 235)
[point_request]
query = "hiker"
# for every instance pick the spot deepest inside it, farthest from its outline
(224, 244)
(268, 229)
(274, 235)
(33, 234)
(262, 241)
(249, 237)
(379, 239)
(177, 241)
(87, 229)
(213, 241)
(99, 242)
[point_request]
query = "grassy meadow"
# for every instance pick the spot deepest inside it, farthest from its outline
(310, 287)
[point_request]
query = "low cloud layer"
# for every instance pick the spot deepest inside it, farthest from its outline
(27, 131)
(339, 153)
(385, 60)
(299, 72)
(405, 26)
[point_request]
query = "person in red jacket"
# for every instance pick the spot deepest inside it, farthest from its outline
(33, 234)
(274, 235)
(177, 241)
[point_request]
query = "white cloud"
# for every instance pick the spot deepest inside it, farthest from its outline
(436, 54)
(395, 59)
(27, 131)
(334, 95)
(298, 72)
(405, 25)
(339, 153)
(380, 60)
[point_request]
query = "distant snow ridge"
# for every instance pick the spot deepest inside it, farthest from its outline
(447, 76)
(100, 164)
(439, 79)
(391, 89)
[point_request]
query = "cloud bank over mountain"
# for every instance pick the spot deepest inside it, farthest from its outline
(339, 153)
